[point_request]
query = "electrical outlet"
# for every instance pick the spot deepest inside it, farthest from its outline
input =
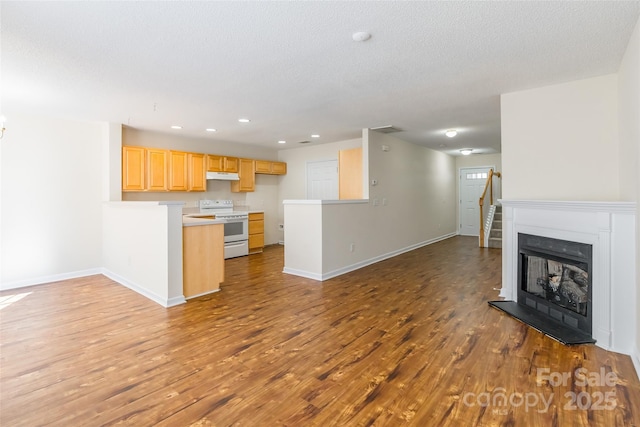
(384, 202)
(352, 247)
(375, 202)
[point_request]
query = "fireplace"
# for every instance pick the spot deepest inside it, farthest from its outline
(554, 279)
(600, 231)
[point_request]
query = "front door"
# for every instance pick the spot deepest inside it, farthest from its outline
(472, 182)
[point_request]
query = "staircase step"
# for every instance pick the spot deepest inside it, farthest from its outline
(497, 233)
(495, 242)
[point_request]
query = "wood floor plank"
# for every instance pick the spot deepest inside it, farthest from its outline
(409, 341)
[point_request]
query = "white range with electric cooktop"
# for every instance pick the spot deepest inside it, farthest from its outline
(236, 225)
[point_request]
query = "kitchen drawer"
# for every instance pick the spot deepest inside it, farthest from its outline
(256, 227)
(256, 216)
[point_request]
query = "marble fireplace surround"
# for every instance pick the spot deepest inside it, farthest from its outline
(610, 228)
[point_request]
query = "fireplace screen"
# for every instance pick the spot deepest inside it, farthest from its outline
(561, 283)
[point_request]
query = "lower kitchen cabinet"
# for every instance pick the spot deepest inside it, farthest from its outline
(256, 232)
(202, 259)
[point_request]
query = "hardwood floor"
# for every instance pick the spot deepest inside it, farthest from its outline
(407, 341)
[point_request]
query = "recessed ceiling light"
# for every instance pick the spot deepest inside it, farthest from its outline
(176, 127)
(466, 151)
(244, 120)
(282, 142)
(361, 36)
(315, 135)
(211, 130)
(451, 133)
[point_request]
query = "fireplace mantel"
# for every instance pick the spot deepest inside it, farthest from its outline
(610, 228)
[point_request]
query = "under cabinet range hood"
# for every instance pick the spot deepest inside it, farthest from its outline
(223, 176)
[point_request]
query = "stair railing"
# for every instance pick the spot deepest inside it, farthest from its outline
(488, 186)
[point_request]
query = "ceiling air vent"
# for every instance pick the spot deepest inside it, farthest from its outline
(303, 142)
(386, 129)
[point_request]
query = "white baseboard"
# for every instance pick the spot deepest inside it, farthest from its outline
(170, 302)
(48, 279)
(364, 263)
(91, 272)
(635, 358)
(302, 273)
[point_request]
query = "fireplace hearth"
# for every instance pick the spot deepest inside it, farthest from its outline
(554, 288)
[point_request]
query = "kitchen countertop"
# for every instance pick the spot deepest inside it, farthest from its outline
(194, 220)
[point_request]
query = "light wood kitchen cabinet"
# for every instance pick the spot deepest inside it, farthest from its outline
(256, 232)
(197, 172)
(133, 168)
(157, 169)
(278, 168)
(203, 259)
(178, 167)
(350, 173)
(271, 168)
(231, 164)
(246, 172)
(216, 163)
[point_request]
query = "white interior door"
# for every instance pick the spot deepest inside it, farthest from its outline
(472, 182)
(322, 180)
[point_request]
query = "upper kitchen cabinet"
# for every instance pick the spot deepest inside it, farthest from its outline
(247, 174)
(217, 163)
(178, 167)
(157, 169)
(197, 172)
(271, 168)
(134, 168)
(350, 173)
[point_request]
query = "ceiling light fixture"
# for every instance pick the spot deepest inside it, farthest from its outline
(466, 151)
(244, 120)
(282, 142)
(176, 127)
(361, 36)
(315, 135)
(451, 133)
(211, 130)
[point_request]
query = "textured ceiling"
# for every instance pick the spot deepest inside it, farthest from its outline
(294, 69)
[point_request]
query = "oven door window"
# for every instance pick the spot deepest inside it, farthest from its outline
(233, 229)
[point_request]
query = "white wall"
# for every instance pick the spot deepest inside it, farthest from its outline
(52, 192)
(419, 187)
(264, 198)
(560, 142)
(629, 122)
(416, 204)
(142, 244)
(293, 184)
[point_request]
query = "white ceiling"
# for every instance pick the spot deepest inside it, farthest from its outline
(294, 69)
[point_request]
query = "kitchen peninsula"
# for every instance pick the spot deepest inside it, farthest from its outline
(203, 255)
(142, 248)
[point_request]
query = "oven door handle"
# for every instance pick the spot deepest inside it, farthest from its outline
(234, 244)
(229, 221)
